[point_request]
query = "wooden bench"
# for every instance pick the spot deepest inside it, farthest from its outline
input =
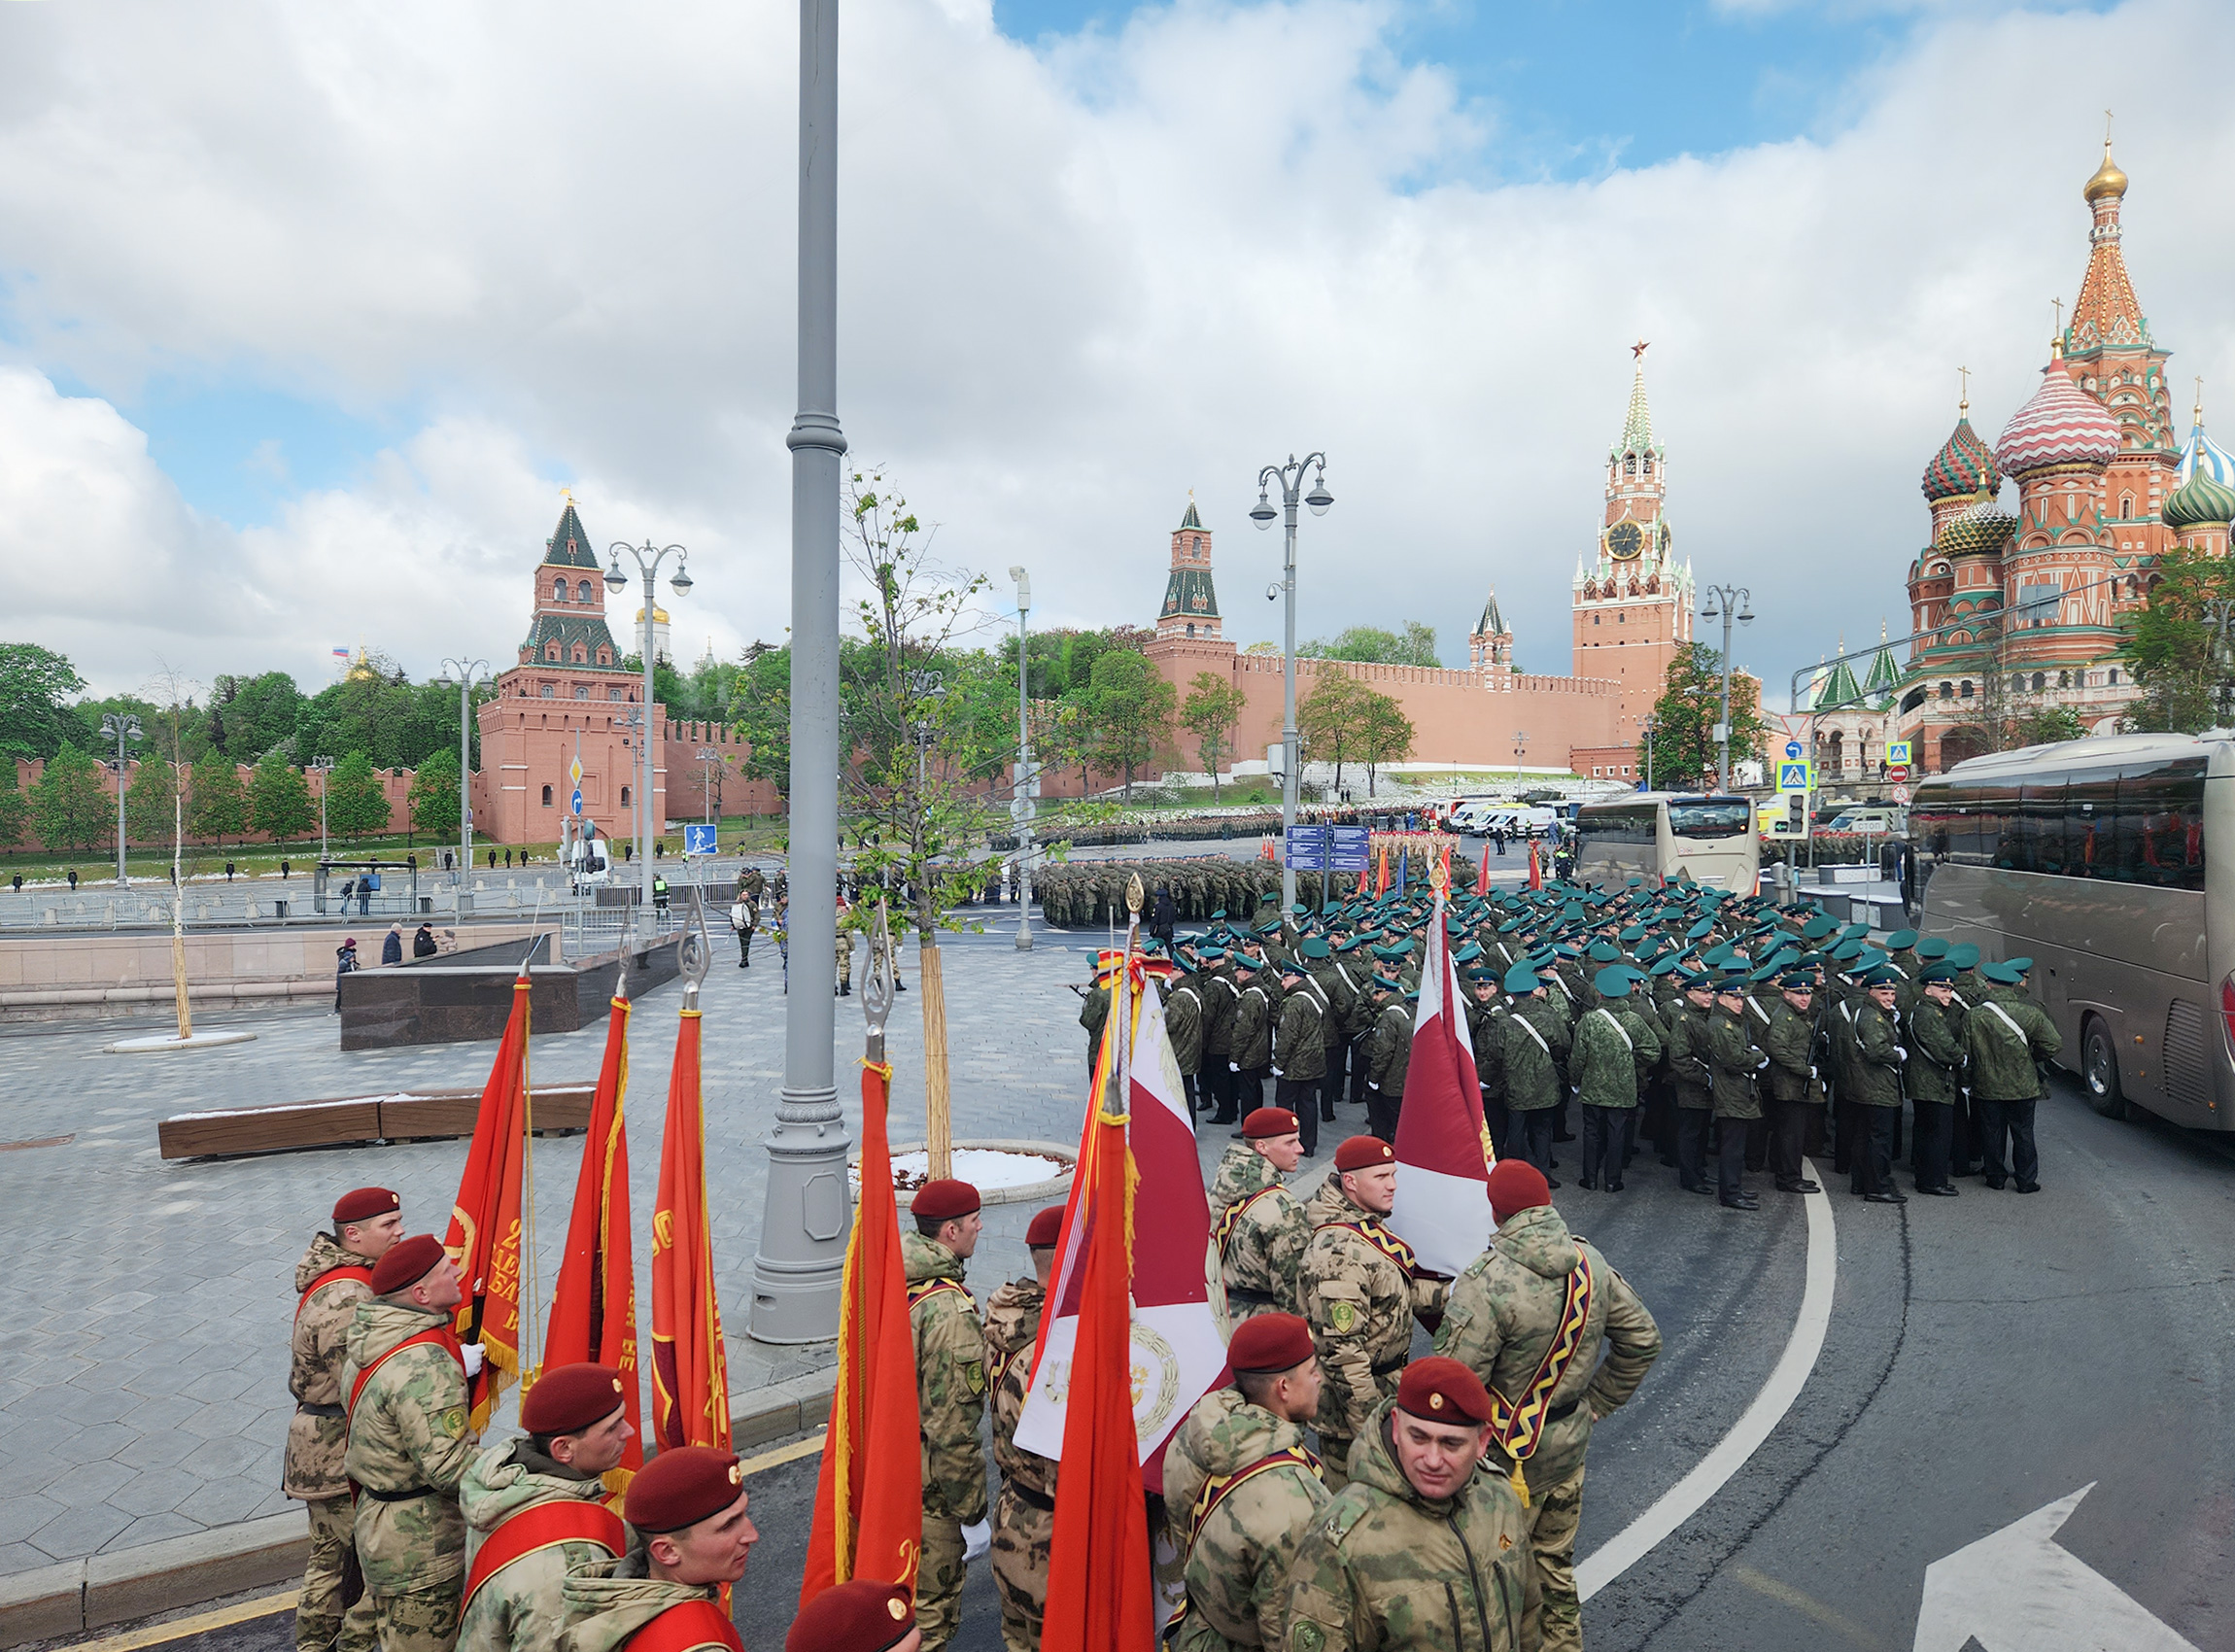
(414, 1116)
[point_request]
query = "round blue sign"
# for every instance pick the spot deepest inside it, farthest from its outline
(1792, 749)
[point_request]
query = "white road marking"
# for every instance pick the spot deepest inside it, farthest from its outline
(1682, 1501)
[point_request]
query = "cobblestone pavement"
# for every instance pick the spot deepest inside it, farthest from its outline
(143, 1391)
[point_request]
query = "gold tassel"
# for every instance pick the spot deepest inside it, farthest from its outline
(1520, 1483)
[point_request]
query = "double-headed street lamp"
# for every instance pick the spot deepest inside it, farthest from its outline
(647, 561)
(325, 767)
(1730, 600)
(1520, 746)
(1291, 477)
(466, 674)
(709, 758)
(1021, 805)
(119, 727)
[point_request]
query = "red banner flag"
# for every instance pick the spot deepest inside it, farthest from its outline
(1443, 1149)
(484, 1236)
(1482, 878)
(869, 1500)
(1535, 866)
(1100, 1593)
(594, 1309)
(1382, 880)
(690, 1363)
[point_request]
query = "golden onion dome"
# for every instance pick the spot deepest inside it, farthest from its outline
(2108, 179)
(659, 617)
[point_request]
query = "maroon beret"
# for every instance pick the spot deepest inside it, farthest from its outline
(945, 1199)
(406, 1263)
(362, 1204)
(569, 1399)
(860, 1616)
(1047, 1228)
(1439, 1389)
(682, 1486)
(1363, 1152)
(1269, 1342)
(1263, 1124)
(1515, 1185)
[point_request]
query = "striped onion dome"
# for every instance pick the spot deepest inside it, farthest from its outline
(2206, 455)
(1963, 465)
(2060, 425)
(1980, 528)
(2202, 498)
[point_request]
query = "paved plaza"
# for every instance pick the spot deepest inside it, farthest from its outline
(144, 1384)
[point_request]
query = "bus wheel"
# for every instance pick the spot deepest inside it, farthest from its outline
(2099, 1070)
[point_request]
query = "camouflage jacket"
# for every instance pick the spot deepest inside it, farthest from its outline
(1486, 1035)
(1219, 996)
(1688, 1057)
(1300, 1046)
(2005, 1048)
(1791, 1047)
(1876, 1078)
(1384, 1569)
(1012, 1327)
(1238, 1558)
(1253, 1035)
(949, 1378)
(1736, 1060)
(315, 1443)
(408, 1429)
(609, 1602)
(1536, 1042)
(1392, 1052)
(1361, 1302)
(1505, 1310)
(520, 1606)
(1612, 1045)
(1093, 1012)
(1935, 1045)
(1184, 1021)
(1263, 1250)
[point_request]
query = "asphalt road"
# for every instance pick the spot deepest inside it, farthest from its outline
(1986, 1356)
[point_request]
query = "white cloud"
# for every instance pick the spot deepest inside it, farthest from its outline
(1076, 284)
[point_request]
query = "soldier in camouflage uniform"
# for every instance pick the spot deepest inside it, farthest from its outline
(951, 1395)
(577, 1428)
(1242, 1488)
(1425, 1550)
(1250, 1059)
(409, 1446)
(1535, 1045)
(1339, 991)
(1876, 1078)
(1613, 1045)
(689, 1505)
(1361, 1291)
(1388, 1057)
(1261, 1229)
(1735, 1061)
(1222, 997)
(1794, 1088)
(1184, 1021)
(1695, 1080)
(2009, 1041)
(1486, 1034)
(1093, 1015)
(1506, 1313)
(1300, 1051)
(1024, 1514)
(334, 1275)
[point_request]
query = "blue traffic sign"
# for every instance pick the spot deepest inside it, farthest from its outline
(576, 805)
(1792, 749)
(697, 839)
(1327, 849)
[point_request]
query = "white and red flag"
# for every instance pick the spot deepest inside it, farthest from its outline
(1443, 1149)
(1177, 1354)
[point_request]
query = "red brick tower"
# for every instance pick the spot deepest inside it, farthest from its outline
(1190, 603)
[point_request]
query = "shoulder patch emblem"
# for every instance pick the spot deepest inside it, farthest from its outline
(1343, 1316)
(1306, 1635)
(974, 1374)
(1504, 1542)
(453, 1421)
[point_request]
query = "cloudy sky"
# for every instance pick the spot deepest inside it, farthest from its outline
(307, 313)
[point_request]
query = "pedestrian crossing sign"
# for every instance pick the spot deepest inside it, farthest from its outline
(1897, 753)
(1795, 775)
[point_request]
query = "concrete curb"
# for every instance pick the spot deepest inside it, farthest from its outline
(1024, 1192)
(76, 1598)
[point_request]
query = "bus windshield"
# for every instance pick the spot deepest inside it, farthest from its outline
(1710, 816)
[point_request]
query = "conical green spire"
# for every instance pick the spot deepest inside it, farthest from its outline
(1638, 427)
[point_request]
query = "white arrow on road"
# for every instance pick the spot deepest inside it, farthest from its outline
(2018, 1590)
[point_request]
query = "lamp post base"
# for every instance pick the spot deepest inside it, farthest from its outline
(800, 1267)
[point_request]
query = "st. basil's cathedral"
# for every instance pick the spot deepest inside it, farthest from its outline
(2021, 611)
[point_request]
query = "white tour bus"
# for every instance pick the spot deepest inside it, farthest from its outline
(1656, 835)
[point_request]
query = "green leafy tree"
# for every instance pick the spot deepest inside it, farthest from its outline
(279, 800)
(356, 806)
(1330, 721)
(761, 713)
(432, 803)
(2181, 662)
(1133, 708)
(1385, 733)
(258, 714)
(35, 683)
(14, 810)
(149, 813)
(1211, 714)
(1377, 647)
(69, 808)
(219, 805)
(1683, 744)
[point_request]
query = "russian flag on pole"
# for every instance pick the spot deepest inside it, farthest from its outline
(1443, 1151)
(1177, 1352)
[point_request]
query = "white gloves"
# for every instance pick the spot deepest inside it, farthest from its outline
(1371, 1086)
(976, 1540)
(1233, 1066)
(471, 1353)
(1758, 1065)
(1276, 1072)
(1813, 1074)
(1900, 1053)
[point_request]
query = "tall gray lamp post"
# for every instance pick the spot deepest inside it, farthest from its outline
(466, 672)
(709, 760)
(801, 1261)
(1291, 477)
(1724, 602)
(325, 767)
(1020, 807)
(120, 728)
(647, 561)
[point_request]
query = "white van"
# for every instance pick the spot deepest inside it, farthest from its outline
(589, 863)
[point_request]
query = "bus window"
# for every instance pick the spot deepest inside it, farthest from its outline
(2160, 824)
(1998, 826)
(2092, 824)
(1710, 817)
(2039, 835)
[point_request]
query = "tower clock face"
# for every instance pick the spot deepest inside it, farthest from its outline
(1624, 540)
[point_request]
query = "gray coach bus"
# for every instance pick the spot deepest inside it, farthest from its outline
(1656, 835)
(2111, 863)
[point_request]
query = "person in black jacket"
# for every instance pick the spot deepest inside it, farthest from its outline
(344, 963)
(423, 943)
(392, 946)
(1164, 921)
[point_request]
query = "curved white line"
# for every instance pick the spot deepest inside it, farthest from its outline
(1682, 1501)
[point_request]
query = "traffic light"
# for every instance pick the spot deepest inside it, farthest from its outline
(1797, 812)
